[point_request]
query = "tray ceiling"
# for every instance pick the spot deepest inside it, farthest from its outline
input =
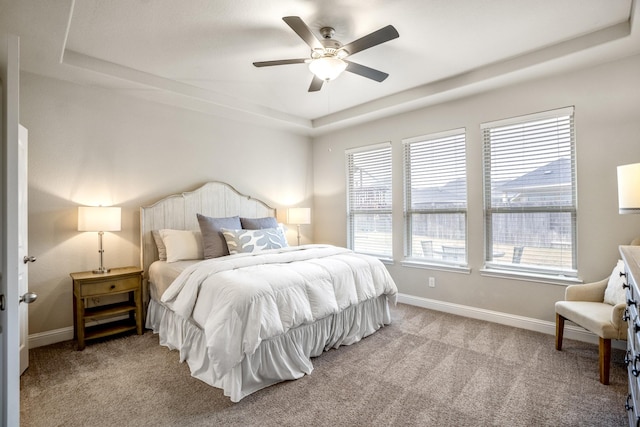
(198, 54)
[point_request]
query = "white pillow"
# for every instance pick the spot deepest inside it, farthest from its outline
(243, 241)
(182, 244)
(615, 293)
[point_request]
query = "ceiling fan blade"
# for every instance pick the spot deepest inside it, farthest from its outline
(373, 39)
(365, 71)
(280, 62)
(316, 84)
(303, 31)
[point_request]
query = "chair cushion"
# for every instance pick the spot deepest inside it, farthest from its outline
(593, 316)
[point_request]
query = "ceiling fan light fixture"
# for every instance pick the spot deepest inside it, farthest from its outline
(328, 67)
(327, 59)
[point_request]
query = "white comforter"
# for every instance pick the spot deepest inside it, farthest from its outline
(243, 299)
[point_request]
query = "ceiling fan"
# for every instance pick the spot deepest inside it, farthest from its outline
(327, 59)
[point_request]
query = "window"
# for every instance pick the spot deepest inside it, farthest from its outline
(435, 177)
(530, 193)
(369, 200)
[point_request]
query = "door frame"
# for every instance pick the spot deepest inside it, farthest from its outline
(23, 245)
(9, 317)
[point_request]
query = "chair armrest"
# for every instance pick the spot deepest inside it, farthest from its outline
(616, 316)
(593, 292)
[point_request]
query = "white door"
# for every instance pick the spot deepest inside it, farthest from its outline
(9, 317)
(23, 244)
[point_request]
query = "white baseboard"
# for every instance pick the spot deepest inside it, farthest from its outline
(570, 332)
(58, 335)
(50, 337)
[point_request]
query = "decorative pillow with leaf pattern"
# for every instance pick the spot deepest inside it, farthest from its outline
(244, 241)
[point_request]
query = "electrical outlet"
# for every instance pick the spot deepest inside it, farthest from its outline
(432, 282)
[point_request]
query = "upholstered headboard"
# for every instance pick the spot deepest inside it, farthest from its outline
(178, 212)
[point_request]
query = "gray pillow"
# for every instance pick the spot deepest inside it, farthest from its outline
(213, 243)
(258, 223)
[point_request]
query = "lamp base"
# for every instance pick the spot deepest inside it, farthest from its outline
(101, 270)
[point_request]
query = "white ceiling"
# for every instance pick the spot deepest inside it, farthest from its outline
(198, 54)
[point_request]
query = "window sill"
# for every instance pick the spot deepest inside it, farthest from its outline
(433, 266)
(531, 277)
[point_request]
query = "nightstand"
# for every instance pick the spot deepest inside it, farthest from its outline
(87, 285)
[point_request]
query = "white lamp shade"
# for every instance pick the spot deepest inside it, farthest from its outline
(327, 68)
(298, 216)
(100, 218)
(629, 188)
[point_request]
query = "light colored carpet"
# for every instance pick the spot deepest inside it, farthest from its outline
(427, 368)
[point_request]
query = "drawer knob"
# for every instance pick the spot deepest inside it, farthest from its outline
(625, 315)
(625, 285)
(623, 274)
(631, 302)
(627, 405)
(635, 370)
(112, 287)
(627, 358)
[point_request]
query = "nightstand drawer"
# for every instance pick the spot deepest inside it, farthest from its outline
(108, 287)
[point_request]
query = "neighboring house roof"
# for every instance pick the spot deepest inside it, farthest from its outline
(454, 191)
(553, 174)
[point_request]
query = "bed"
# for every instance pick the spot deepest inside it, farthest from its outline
(248, 320)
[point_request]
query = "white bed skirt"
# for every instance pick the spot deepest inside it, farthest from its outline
(285, 357)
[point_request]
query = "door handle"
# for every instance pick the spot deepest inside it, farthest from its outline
(28, 297)
(27, 259)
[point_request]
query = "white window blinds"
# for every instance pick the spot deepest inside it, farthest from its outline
(530, 193)
(435, 177)
(369, 200)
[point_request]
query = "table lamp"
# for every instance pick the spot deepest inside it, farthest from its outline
(298, 217)
(629, 188)
(99, 219)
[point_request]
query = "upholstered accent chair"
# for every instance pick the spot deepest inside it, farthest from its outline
(587, 306)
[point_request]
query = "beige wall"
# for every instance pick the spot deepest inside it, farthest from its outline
(89, 145)
(607, 121)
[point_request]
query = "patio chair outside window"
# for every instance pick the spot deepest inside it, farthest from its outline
(427, 248)
(453, 253)
(517, 254)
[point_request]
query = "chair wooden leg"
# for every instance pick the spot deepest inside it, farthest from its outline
(605, 360)
(559, 331)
